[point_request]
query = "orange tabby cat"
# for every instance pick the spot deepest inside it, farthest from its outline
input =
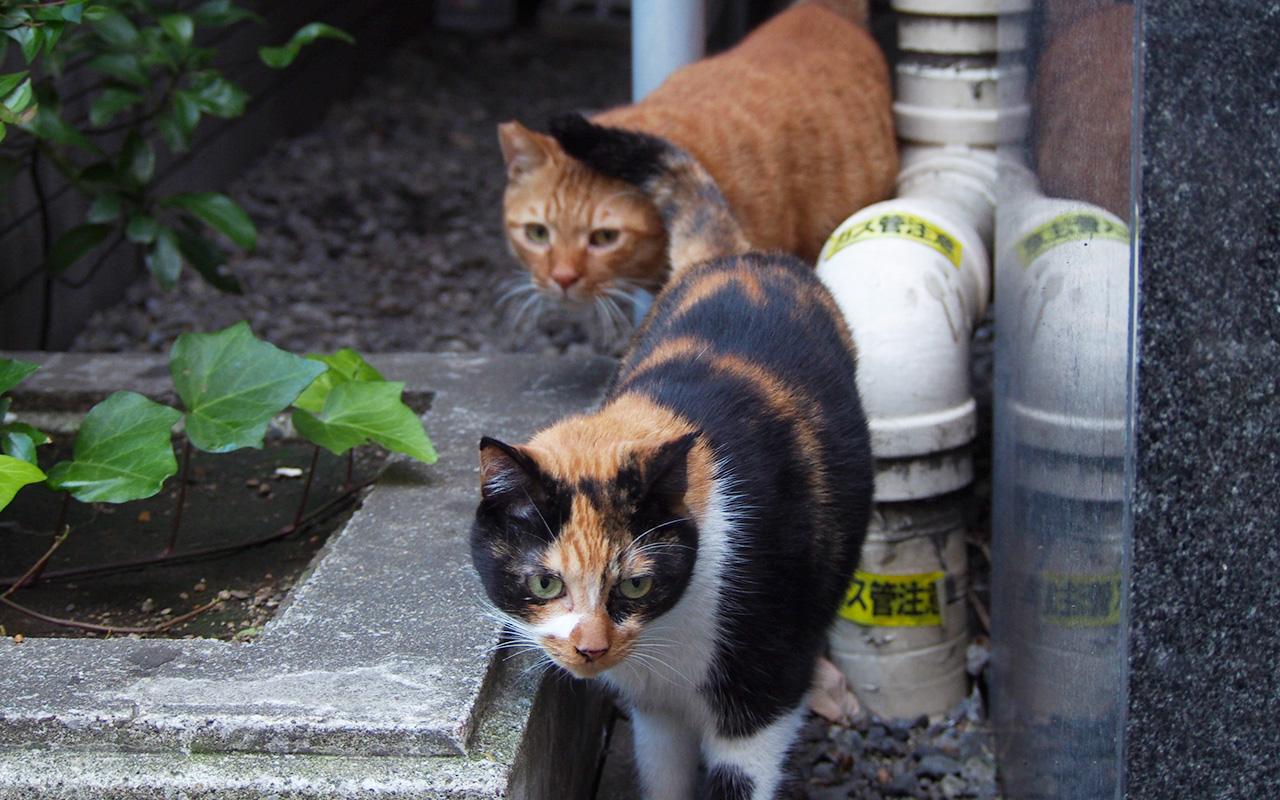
(795, 124)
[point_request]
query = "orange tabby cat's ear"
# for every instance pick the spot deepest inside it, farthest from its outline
(522, 149)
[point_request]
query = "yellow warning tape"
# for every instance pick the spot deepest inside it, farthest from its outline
(895, 224)
(1069, 227)
(895, 601)
(1080, 601)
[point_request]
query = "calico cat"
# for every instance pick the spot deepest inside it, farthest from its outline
(794, 124)
(689, 542)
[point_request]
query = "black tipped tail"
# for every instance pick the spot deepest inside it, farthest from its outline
(625, 155)
(700, 224)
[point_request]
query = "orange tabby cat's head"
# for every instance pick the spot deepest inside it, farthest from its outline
(581, 235)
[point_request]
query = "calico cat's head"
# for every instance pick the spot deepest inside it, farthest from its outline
(581, 235)
(582, 546)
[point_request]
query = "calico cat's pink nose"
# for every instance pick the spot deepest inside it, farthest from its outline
(591, 655)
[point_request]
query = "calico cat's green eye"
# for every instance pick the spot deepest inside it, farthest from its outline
(635, 588)
(601, 237)
(537, 233)
(546, 587)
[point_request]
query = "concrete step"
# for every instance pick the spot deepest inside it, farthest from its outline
(380, 675)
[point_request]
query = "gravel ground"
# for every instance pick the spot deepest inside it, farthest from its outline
(380, 231)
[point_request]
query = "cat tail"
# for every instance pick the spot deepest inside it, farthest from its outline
(700, 225)
(856, 11)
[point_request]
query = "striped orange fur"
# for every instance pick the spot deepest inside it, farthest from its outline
(794, 124)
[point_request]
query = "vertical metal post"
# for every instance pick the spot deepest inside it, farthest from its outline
(665, 35)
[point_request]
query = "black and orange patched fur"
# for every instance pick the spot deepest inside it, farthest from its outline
(690, 542)
(794, 124)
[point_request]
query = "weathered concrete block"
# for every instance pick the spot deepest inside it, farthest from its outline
(380, 675)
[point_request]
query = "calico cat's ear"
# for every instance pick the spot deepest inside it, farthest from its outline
(523, 150)
(667, 472)
(508, 475)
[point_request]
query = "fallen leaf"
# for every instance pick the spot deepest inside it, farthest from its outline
(831, 697)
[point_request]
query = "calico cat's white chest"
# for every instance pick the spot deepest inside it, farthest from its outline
(675, 654)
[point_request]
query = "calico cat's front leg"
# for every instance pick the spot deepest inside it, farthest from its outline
(751, 767)
(666, 756)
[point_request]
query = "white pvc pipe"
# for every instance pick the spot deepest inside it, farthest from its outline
(1064, 267)
(665, 35)
(912, 277)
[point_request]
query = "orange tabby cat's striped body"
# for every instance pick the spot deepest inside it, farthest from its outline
(794, 124)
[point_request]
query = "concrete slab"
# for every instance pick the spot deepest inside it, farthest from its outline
(377, 677)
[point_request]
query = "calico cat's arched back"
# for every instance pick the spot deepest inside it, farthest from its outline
(690, 541)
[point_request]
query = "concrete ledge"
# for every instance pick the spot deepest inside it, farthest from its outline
(378, 676)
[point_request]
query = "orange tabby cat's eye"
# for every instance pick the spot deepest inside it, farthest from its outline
(537, 233)
(603, 237)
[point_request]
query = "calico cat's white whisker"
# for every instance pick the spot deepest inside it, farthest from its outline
(539, 512)
(635, 546)
(665, 671)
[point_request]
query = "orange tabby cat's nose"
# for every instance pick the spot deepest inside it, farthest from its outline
(591, 655)
(564, 277)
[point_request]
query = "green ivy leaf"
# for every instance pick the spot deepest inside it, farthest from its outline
(13, 372)
(284, 55)
(73, 10)
(220, 213)
(106, 207)
(14, 474)
(344, 365)
(164, 259)
(123, 451)
(53, 32)
(357, 411)
(74, 245)
(233, 384)
(179, 122)
(180, 27)
(17, 101)
(207, 259)
(217, 13)
(37, 436)
(123, 66)
(137, 159)
(114, 28)
(110, 102)
(47, 125)
(142, 229)
(10, 82)
(18, 444)
(218, 96)
(29, 38)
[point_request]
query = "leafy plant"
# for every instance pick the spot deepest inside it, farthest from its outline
(152, 80)
(232, 385)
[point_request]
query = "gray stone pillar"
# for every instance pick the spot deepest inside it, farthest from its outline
(1204, 648)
